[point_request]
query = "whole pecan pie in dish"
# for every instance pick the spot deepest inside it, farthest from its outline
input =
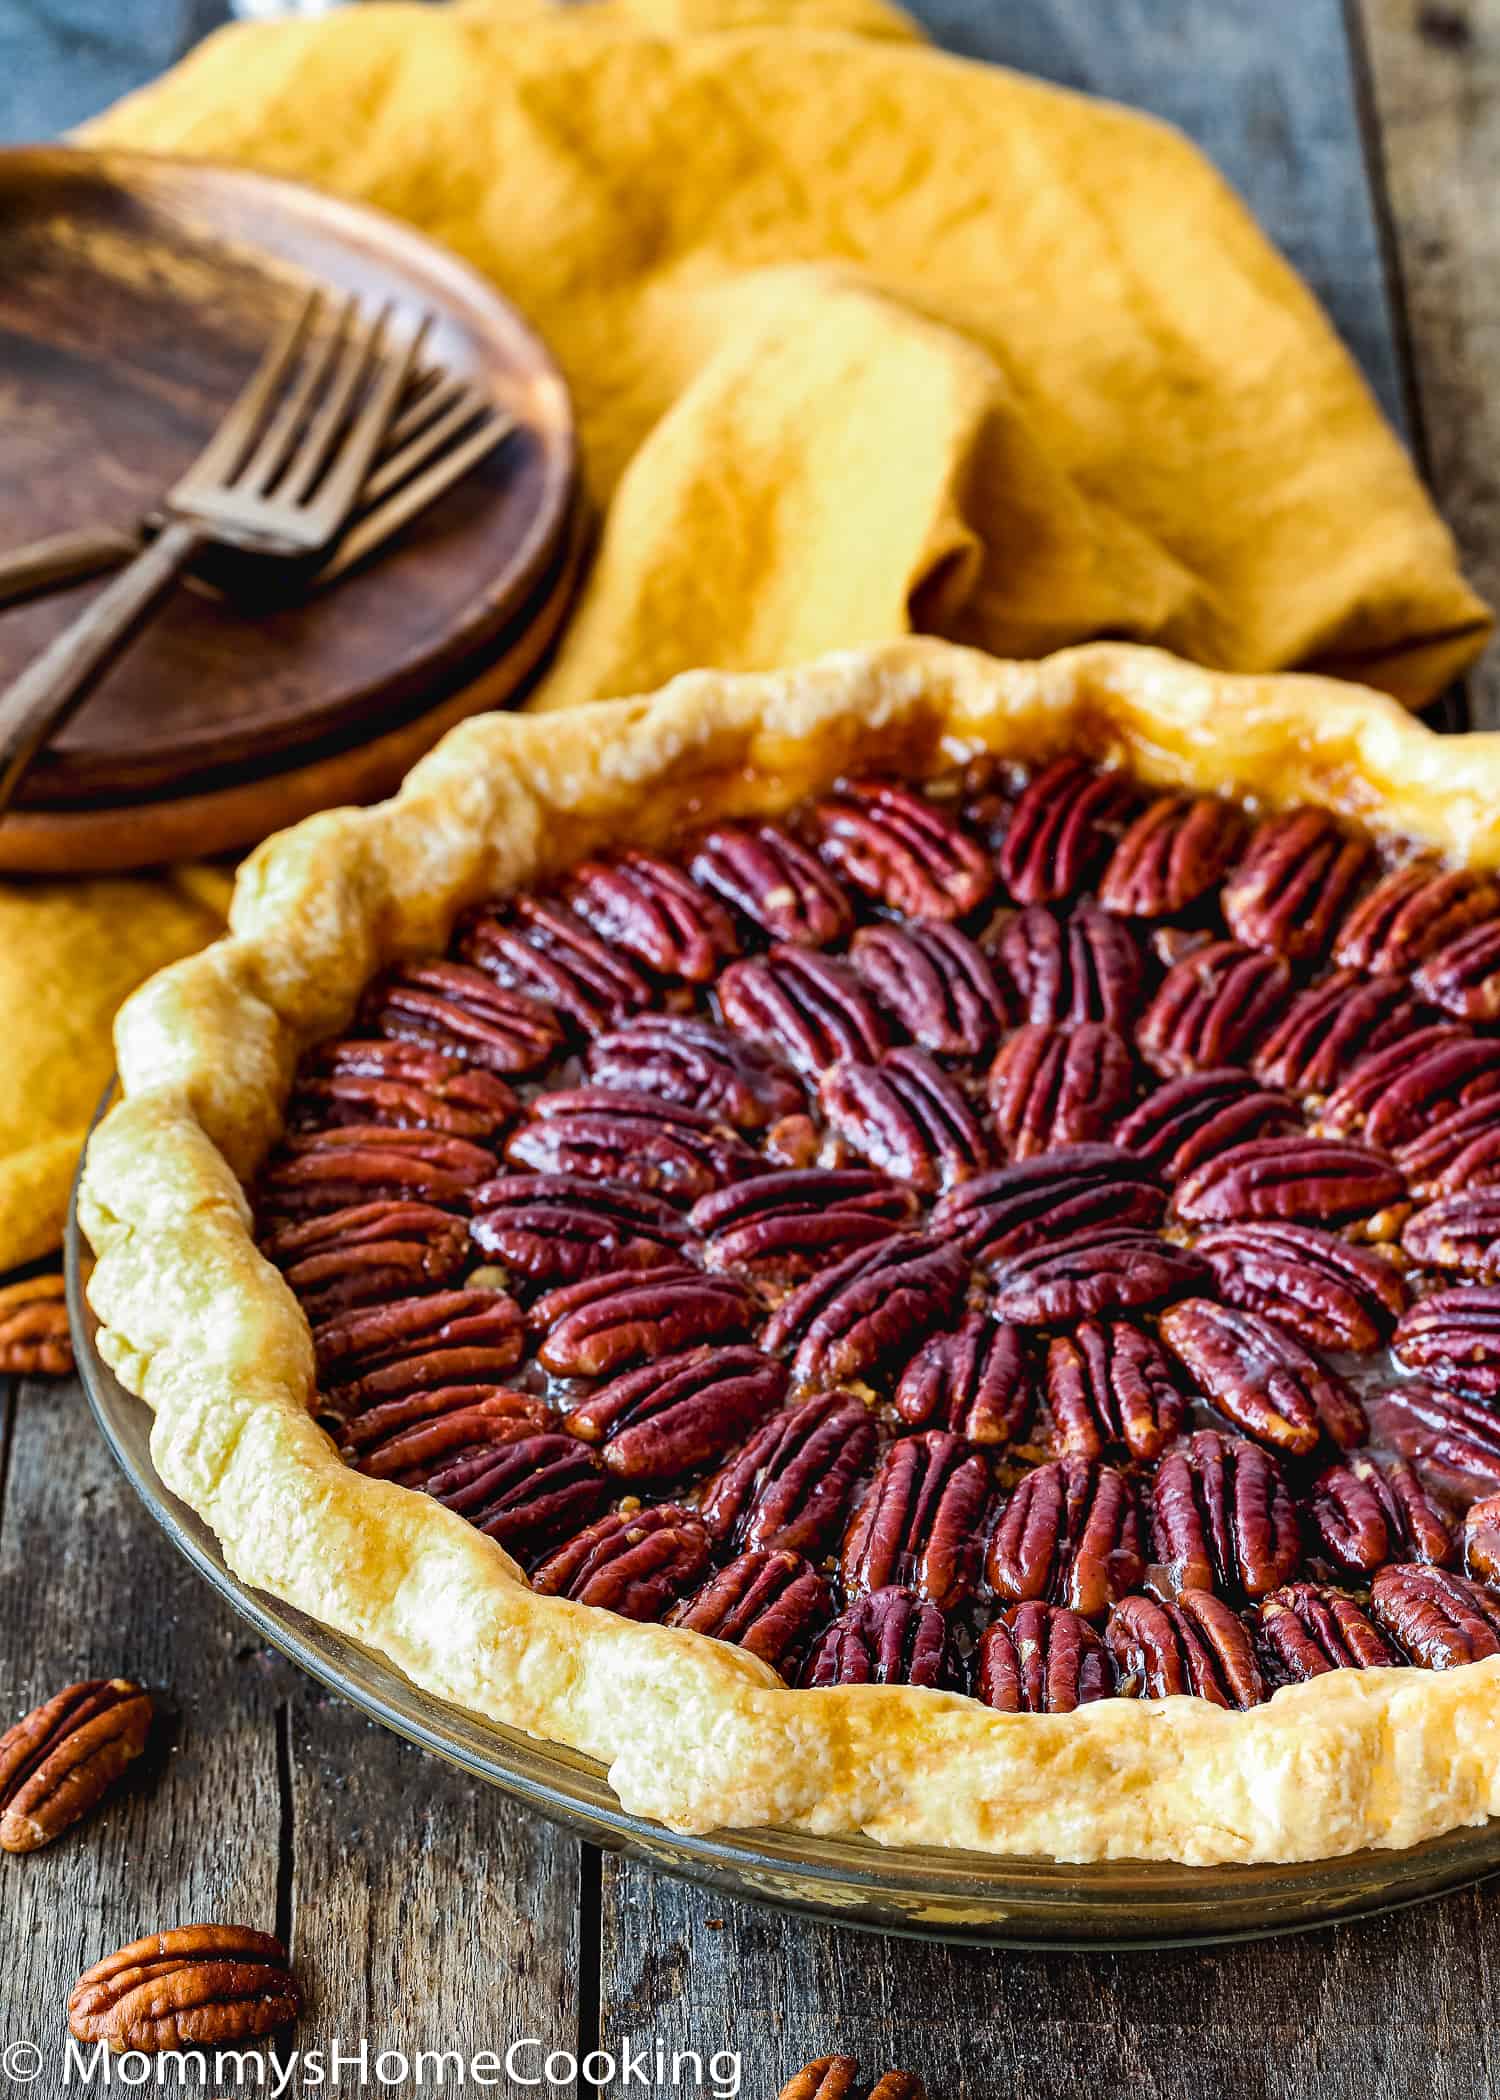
(911, 1246)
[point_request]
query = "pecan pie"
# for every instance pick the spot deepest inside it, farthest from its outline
(911, 1246)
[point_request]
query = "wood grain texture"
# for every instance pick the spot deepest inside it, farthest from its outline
(417, 1902)
(421, 1911)
(1392, 2005)
(1435, 67)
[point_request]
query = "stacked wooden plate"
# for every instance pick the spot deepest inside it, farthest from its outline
(136, 294)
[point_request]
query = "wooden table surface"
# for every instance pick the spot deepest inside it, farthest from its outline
(425, 1913)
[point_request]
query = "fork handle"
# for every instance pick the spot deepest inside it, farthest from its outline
(66, 558)
(68, 669)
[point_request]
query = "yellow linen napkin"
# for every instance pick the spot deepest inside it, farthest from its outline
(863, 338)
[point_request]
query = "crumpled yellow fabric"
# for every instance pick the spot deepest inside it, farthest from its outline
(863, 337)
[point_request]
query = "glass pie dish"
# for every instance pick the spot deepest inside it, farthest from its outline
(919, 1891)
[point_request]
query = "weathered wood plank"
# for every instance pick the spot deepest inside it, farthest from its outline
(62, 63)
(1394, 2005)
(423, 1912)
(428, 1913)
(88, 1588)
(1436, 71)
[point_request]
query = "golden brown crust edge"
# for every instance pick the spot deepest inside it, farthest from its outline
(695, 1733)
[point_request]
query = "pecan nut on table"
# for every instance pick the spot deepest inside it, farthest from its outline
(199, 1986)
(976, 1236)
(35, 1339)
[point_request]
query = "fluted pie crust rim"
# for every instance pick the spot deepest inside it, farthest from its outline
(698, 1734)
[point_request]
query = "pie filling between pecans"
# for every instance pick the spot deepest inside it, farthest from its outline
(1028, 1234)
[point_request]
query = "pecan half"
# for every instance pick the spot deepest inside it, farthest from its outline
(768, 1601)
(1053, 1086)
(537, 946)
(1041, 1659)
(784, 891)
(634, 1138)
(1294, 882)
(455, 1009)
(919, 1522)
(601, 1325)
(889, 1637)
(560, 1228)
(1063, 830)
(695, 1064)
(1324, 1181)
(1175, 852)
(1331, 1026)
(1410, 912)
(1463, 978)
(525, 1492)
(35, 1339)
(792, 1482)
(1331, 1294)
(875, 1305)
(1213, 1007)
(974, 1380)
(367, 1254)
(198, 1987)
(400, 1086)
(647, 909)
(1454, 1337)
(414, 1435)
(902, 850)
(1198, 1116)
(932, 980)
(324, 1170)
(1441, 1620)
(1070, 1534)
(1400, 1091)
(1109, 1384)
(906, 1117)
(782, 1228)
(60, 1760)
(635, 1563)
(1453, 1443)
(457, 1337)
(813, 1009)
(1109, 1270)
(1222, 1518)
(1371, 1511)
(1461, 1233)
(1482, 1541)
(1035, 1203)
(1307, 1630)
(1458, 1152)
(1085, 967)
(837, 2078)
(1197, 1648)
(1261, 1378)
(679, 1413)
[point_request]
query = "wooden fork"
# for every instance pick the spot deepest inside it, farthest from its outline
(279, 478)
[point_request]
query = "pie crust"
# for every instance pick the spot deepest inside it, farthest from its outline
(697, 1733)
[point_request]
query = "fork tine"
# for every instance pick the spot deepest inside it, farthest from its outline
(360, 350)
(398, 466)
(430, 392)
(357, 448)
(274, 449)
(387, 518)
(230, 443)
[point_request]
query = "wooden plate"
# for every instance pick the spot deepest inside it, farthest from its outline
(113, 838)
(136, 293)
